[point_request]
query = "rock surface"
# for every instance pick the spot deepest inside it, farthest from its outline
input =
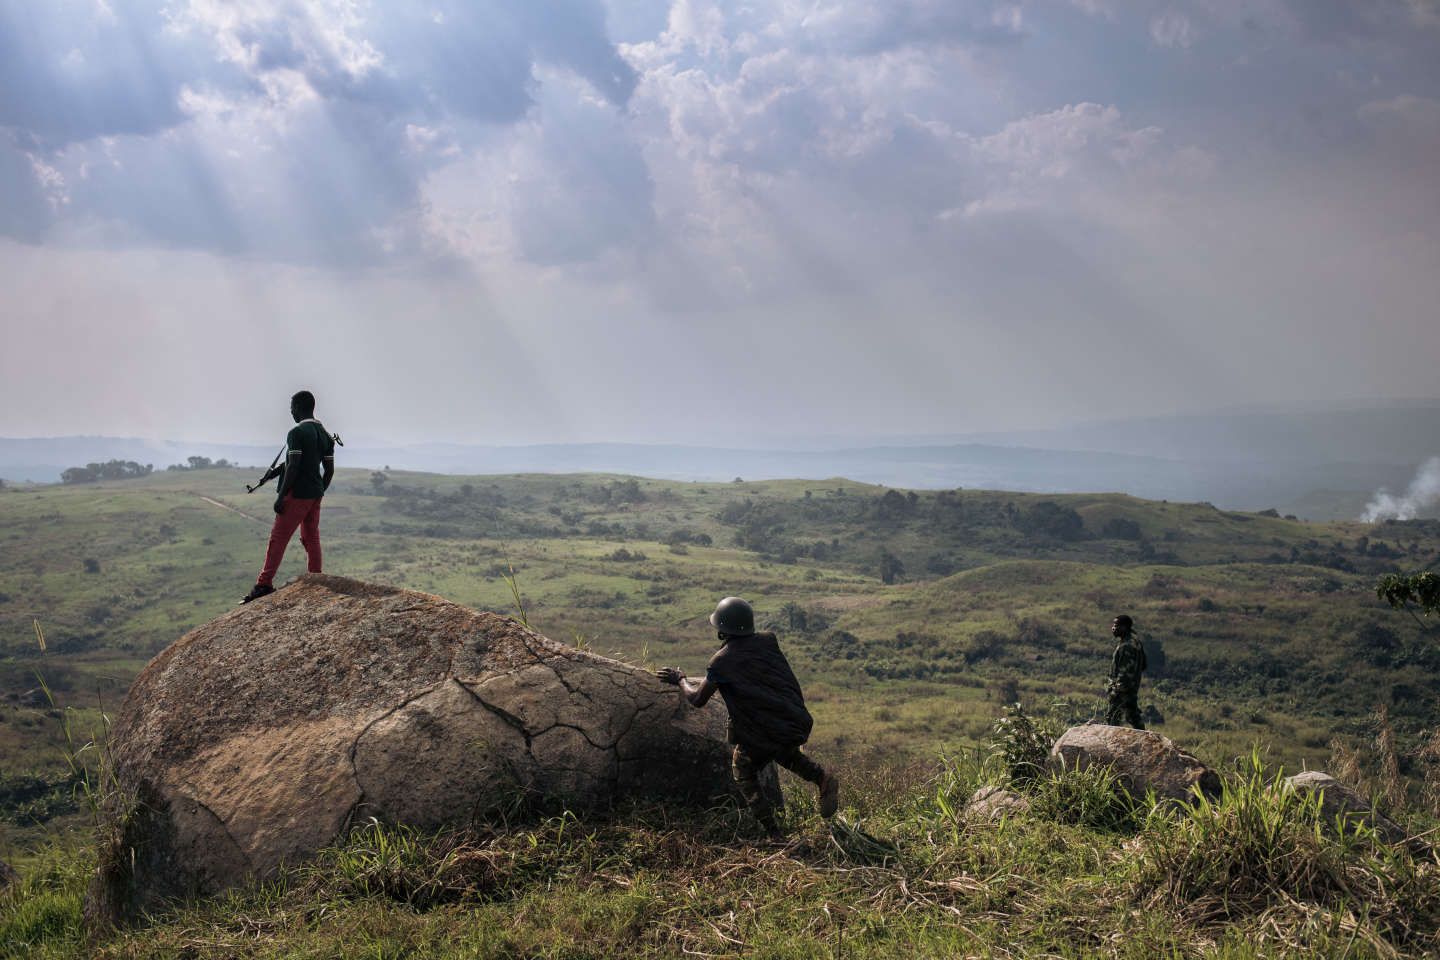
(260, 737)
(1338, 800)
(1142, 760)
(995, 803)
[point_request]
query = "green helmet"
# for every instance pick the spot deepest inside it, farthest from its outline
(733, 617)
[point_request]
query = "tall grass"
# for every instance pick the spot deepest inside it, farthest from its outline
(513, 583)
(109, 806)
(1262, 849)
(1252, 873)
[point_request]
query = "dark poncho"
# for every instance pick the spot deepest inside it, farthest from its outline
(767, 709)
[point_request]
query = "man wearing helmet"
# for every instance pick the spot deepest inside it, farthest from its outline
(768, 719)
(1125, 668)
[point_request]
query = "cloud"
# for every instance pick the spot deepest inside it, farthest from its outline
(565, 186)
(76, 69)
(289, 129)
(25, 209)
(1426, 12)
(1346, 21)
(445, 58)
(865, 28)
(1172, 29)
(1408, 118)
(734, 153)
(945, 202)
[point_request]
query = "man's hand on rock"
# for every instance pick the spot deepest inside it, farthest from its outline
(669, 675)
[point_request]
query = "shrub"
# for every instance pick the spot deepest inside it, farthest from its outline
(1120, 528)
(1049, 519)
(1091, 797)
(891, 569)
(1021, 744)
(1263, 846)
(621, 555)
(984, 645)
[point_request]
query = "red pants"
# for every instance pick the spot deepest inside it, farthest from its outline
(304, 514)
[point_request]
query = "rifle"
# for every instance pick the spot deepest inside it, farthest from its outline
(277, 469)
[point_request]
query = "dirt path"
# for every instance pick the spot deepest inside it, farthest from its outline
(226, 506)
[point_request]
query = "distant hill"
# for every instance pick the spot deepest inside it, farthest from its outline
(1361, 433)
(1318, 465)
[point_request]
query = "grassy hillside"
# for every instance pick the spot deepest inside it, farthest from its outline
(1261, 629)
(912, 619)
(904, 873)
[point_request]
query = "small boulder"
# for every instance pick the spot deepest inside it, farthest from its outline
(7, 876)
(1338, 801)
(259, 738)
(1142, 760)
(996, 803)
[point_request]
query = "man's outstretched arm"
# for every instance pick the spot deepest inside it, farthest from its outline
(698, 692)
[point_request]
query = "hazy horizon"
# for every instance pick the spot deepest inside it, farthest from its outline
(263, 431)
(1365, 460)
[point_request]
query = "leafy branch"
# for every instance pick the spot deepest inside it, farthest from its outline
(1412, 592)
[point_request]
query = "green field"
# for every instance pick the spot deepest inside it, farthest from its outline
(1261, 629)
(912, 619)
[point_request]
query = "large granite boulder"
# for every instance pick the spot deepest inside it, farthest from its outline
(262, 736)
(1142, 761)
(1341, 804)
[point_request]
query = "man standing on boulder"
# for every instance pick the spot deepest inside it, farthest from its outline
(1125, 668)
(309, 468)
(768, 719)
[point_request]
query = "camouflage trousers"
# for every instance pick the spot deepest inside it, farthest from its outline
(746, 765)
(1124, 707)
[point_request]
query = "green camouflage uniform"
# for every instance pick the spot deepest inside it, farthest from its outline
(1124, 686)
(747, 765)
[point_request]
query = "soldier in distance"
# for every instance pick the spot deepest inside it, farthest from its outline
(1126, 666)
(309, 468)
(768, 719)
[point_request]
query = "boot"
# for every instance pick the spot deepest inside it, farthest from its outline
(829, 795)
(258, 591)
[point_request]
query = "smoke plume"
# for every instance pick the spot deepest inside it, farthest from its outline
(1424, 491)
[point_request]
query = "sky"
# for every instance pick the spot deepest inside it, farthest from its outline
(511, 221)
